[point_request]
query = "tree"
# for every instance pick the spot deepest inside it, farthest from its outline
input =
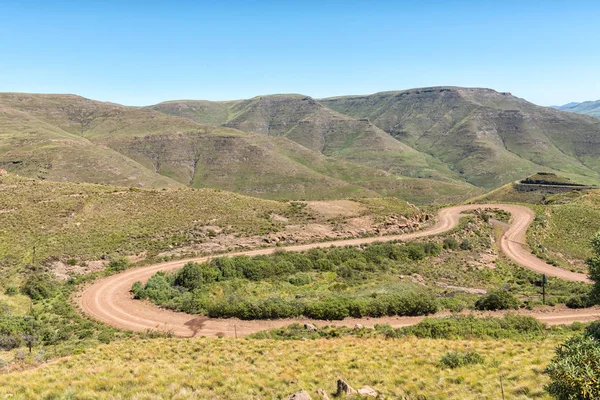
(575, 370)
(594, 269)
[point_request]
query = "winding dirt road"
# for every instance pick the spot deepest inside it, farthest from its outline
(109, 299)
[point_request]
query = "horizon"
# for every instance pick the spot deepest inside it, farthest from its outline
(140, 54)
(283, 94)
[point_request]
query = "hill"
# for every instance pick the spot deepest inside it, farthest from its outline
(70, 138)
(587, 107)
(489, 138)
(305, 121)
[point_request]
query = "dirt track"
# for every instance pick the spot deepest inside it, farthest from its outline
(109, 300)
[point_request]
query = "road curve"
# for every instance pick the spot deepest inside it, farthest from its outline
(109, 299)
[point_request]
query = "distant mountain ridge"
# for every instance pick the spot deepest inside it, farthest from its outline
(587, 107)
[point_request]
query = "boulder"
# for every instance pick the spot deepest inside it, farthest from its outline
(310, 327)
(344, 388)
(367, 391)
(321, 393)
(301, 395)
(358, 326)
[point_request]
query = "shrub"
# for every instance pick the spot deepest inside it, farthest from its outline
(300, 279)
(466, 245)
(334, 308)
(190, 276)
(581, 301)
(39, 286)
(498, 300)
(11, 291)
(118, 264)
(416, 252)
(432, 249)
(456, 359)
(106, 336)
(71, 261)
(466, 327)
(575, 370)
(450, 244)
(9, 342)
(593, 330)
(324, 264)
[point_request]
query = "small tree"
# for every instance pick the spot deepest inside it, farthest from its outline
(498, 300)
(575, 370)
(594, 268)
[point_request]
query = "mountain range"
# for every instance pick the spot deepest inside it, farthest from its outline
(431, 145)
(587, 107)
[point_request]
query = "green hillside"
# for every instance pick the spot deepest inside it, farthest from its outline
(88, 221)
(489, 138)
(587, 107)
(70, 138)
(201, 111)
(305, 121)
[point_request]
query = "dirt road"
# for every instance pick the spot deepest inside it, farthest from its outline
(109, 300)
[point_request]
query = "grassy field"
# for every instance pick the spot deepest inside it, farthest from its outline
(87, 222)
(265, 369)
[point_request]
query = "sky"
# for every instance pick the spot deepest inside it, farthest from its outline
(144, 52)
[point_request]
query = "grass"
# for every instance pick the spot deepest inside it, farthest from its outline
(87, 222)
(563, 229)
(230, 369)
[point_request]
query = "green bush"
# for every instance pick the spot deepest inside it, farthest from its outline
(450, 244)
(467, 327)
(11, 290)
(39, 286)
(457, 327)
(593, 330)
(466, 245)
(581, 301)
(456, 359)
(575, 370)
(300, 279)
(498, 300)
(118, 264)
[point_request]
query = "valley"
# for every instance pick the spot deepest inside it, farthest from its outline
(348, 220)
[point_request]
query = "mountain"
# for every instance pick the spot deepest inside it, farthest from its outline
(70, 138)
(310, 124)
(432, 145)
(489, 138)
(587, 107)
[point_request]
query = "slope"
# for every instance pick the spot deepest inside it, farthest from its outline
(587, 107)
(305, 121)
(70, 138)
(490, 138)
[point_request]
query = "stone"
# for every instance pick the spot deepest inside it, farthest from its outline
(322, 394)
(301, 395)
(367, 391)
(310, 327)
(344, 388)
(358, 326)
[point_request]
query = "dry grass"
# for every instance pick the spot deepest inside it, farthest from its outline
(263, 369)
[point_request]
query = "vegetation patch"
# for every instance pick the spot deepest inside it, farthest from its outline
(515, 327)
(321, 284)
(457, 359)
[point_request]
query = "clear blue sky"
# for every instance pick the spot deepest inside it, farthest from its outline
(144, 52)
